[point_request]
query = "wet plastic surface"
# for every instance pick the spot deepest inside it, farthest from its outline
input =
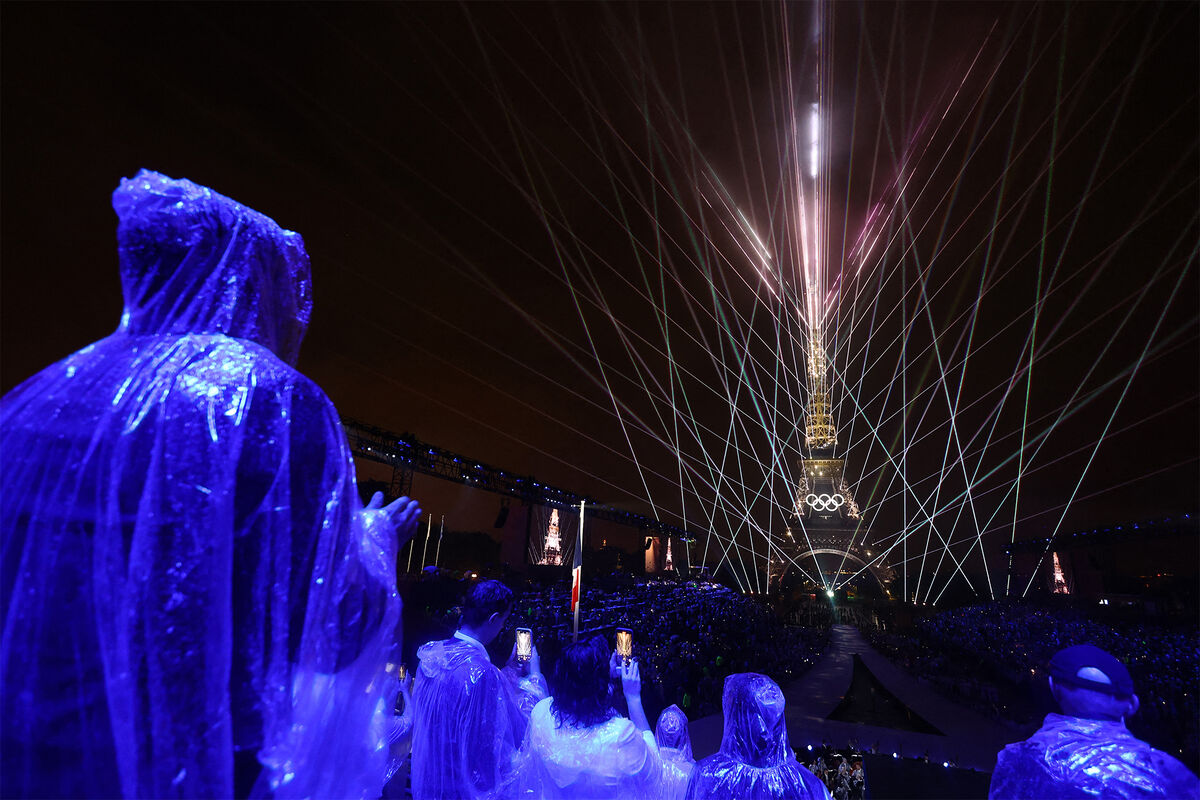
(1070, 757)
(468, 724)
(187, 568)
(611, 759)
(755, 761)
(675, 748)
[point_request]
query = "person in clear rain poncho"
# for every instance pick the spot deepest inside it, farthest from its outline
(755, 761)
(675, 747)
(1087, 752)
(195, 598)
(579, 747)
(470, 716)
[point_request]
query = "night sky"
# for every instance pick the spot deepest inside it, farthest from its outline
(512, 220)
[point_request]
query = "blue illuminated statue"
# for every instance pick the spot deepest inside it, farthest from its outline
(675, 747)
(1087, 752)
(755, 761)
(195, 599)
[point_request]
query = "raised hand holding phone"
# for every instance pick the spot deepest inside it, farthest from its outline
(631, 684)
(631, 680)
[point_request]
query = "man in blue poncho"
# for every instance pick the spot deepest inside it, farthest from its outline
(470, 717)
(1087, 752)
(194, 597)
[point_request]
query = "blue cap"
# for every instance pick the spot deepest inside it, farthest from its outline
(1066, 665)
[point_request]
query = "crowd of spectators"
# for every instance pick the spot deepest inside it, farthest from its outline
(840, 770)
(688, 635)
(992, 658)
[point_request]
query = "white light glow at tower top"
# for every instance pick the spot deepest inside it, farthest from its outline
(811, 216)
(820, 431)
(814, 143)
(811, 213)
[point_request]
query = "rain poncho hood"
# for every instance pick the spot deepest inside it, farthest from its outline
(195, 262)
(187, 570)
(755, 761)
(467, 726)
(671, 732)
(1072, 757)
(675, 747)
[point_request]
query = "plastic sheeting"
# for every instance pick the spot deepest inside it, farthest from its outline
(187, 569)
(755, 761)
(399, 739)
(611, 760)
(675, 747)
(468, 724)
(1070, 757)
(671, 732)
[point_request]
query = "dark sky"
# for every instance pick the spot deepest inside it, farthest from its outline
(504, 202)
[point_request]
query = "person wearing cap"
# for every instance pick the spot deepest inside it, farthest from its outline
(1086, 751)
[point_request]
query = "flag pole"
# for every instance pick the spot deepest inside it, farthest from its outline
(425, 549)
(441, 529)
(577, 574)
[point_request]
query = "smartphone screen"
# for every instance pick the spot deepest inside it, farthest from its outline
(524, 644)
(401, 674)
(625, 644)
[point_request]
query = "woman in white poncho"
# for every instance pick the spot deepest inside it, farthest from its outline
(578, 746)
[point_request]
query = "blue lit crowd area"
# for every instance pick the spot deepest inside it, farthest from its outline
(841, 770)
(873, 738)
(690, 634)
(993, 659)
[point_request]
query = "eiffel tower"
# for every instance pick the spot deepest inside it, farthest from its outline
(552, 547)
(828, 527)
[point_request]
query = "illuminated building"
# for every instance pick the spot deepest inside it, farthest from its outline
(1060, 580)
(552, 551)
(831, 533)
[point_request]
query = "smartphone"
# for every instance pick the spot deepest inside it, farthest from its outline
(401, 674)
(524, 644)
(625, 644)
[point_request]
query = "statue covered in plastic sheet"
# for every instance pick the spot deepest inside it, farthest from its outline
(675, 747)
(1087, 752)
(195, 600)
(755, 761)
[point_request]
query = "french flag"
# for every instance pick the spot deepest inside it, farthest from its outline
(577, 574)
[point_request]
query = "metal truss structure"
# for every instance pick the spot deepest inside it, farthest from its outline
(406, 455)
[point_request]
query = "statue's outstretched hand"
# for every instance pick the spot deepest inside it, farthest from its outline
(404, 514)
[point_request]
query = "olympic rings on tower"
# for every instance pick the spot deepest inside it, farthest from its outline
(825, 502)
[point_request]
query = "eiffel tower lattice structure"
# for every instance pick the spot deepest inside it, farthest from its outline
(828, 530)
(552, 548)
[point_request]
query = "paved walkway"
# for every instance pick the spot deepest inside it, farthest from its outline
(971, 740)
